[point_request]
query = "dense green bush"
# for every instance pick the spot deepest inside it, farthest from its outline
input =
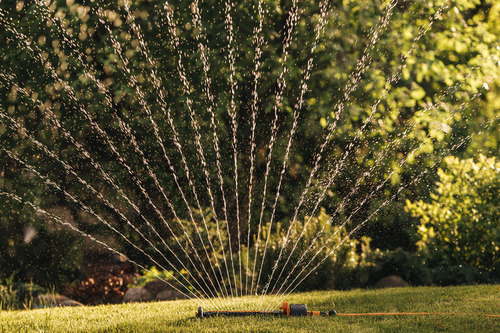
(335, 272)
(461, 225)
(417, 269)
(151, 274)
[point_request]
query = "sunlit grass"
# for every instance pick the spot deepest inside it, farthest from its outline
(179, 315)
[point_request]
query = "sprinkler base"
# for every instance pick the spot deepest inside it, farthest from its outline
(287, 310)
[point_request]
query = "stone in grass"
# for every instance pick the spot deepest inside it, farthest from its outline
(70, 302)
(169, 295)
(391, 281)
(137, 294)
(164, 295)
(155, 286)
(53, 300)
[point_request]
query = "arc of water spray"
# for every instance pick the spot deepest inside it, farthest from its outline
(120, 159)
(366, 199)
(385, 203)
(394, 78)
(258, 40)
(187, 92)
(319, 28)
(177, 144)
(234, 129)
(281, 83)
(166, 110)
(361, 66)
(331, 176)
(134, 84)
(390, 80)
(205, 51)
(127, 131)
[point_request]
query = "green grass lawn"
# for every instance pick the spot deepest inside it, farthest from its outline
(179, 315)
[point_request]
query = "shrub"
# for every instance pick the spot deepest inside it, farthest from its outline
(152, 274)
(15, 296)
(417, 269)
(102, 287)
(337, 271)
(461, 225)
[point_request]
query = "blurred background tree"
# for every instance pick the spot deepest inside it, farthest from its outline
(445, 103)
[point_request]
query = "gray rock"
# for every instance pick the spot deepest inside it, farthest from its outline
(178, 295)
(50, 300)
(164, 295)
(137, 294)
(155, 286)
(70, 302)
(391, 281)
(169, 295)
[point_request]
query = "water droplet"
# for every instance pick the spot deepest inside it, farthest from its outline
(19, 5)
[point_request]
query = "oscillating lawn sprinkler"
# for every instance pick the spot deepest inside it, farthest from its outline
(287, 310)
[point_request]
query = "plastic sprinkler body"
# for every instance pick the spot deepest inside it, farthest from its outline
(287, 310)
(298, 310)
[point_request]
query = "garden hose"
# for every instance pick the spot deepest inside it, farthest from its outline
(378, 314)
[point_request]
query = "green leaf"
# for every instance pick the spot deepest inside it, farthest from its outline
(418, 93)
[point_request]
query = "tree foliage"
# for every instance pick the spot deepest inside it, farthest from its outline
(426, 87)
